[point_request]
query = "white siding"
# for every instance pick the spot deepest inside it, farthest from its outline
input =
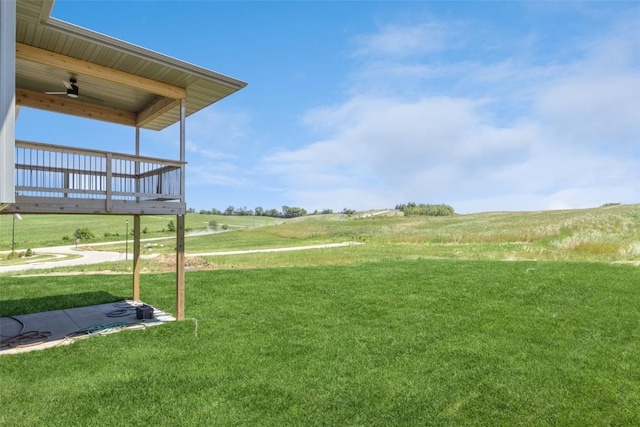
(7, 100)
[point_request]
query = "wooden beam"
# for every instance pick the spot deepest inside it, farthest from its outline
(86, 68)
(62, 205)
(155, 109)
(66, 105)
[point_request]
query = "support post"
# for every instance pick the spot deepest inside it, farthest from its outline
(109, 159)
(180, 293)
(136, 226)
(136, 257)
(180, 267)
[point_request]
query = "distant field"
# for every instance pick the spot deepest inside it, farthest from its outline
(607, 234)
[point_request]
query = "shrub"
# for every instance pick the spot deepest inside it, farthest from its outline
(145, 230)
(171, 226)
(83, 234)
(28, 253)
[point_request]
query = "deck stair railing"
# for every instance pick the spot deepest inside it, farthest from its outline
(52, 171)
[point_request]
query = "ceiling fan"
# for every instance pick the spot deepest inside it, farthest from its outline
(73, 90)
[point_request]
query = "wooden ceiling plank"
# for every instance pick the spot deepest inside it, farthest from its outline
(79, 66)
(65, 105)
(155, 109)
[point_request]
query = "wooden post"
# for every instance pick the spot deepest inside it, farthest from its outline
(180, 267)
(136, 225)
(109, 165)
(180, 219)
(136, 257)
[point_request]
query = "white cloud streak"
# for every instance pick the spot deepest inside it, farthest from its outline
(403, 41)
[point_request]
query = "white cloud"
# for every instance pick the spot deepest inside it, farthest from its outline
(570, 139)
(220, 174)
(601, 110)
(396, 151)
(399, 40)
(202, 152)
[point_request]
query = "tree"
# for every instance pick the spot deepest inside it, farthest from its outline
(274, 213)
(258, 211)
(292, 212)
(229, 211)
(243, 212)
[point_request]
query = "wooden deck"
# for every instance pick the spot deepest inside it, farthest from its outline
(57, 179)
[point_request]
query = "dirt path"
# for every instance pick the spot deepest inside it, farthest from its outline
(88, 256)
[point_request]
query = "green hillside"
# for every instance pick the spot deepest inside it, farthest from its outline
(605, 234)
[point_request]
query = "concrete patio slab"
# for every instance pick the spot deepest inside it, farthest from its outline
(37, 331)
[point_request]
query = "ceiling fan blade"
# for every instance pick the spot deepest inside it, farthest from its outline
(56, 93)
(67, 84)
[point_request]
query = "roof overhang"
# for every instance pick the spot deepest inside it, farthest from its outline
(118, 82)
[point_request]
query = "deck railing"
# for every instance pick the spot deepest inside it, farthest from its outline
(52, 171)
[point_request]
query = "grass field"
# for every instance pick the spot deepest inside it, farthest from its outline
(423, 324)
(37, 231)
(608, 234)
(423, 342)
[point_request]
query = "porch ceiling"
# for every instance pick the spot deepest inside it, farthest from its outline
(118, 82)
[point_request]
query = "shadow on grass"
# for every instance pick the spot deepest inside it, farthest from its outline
(56, 302)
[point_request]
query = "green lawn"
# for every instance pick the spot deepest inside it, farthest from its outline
(394, 342)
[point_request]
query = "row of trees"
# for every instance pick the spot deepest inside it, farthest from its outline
(413, 209)
(409, 209)
(286, 212)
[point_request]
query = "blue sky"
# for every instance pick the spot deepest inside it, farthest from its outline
(484, 106)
